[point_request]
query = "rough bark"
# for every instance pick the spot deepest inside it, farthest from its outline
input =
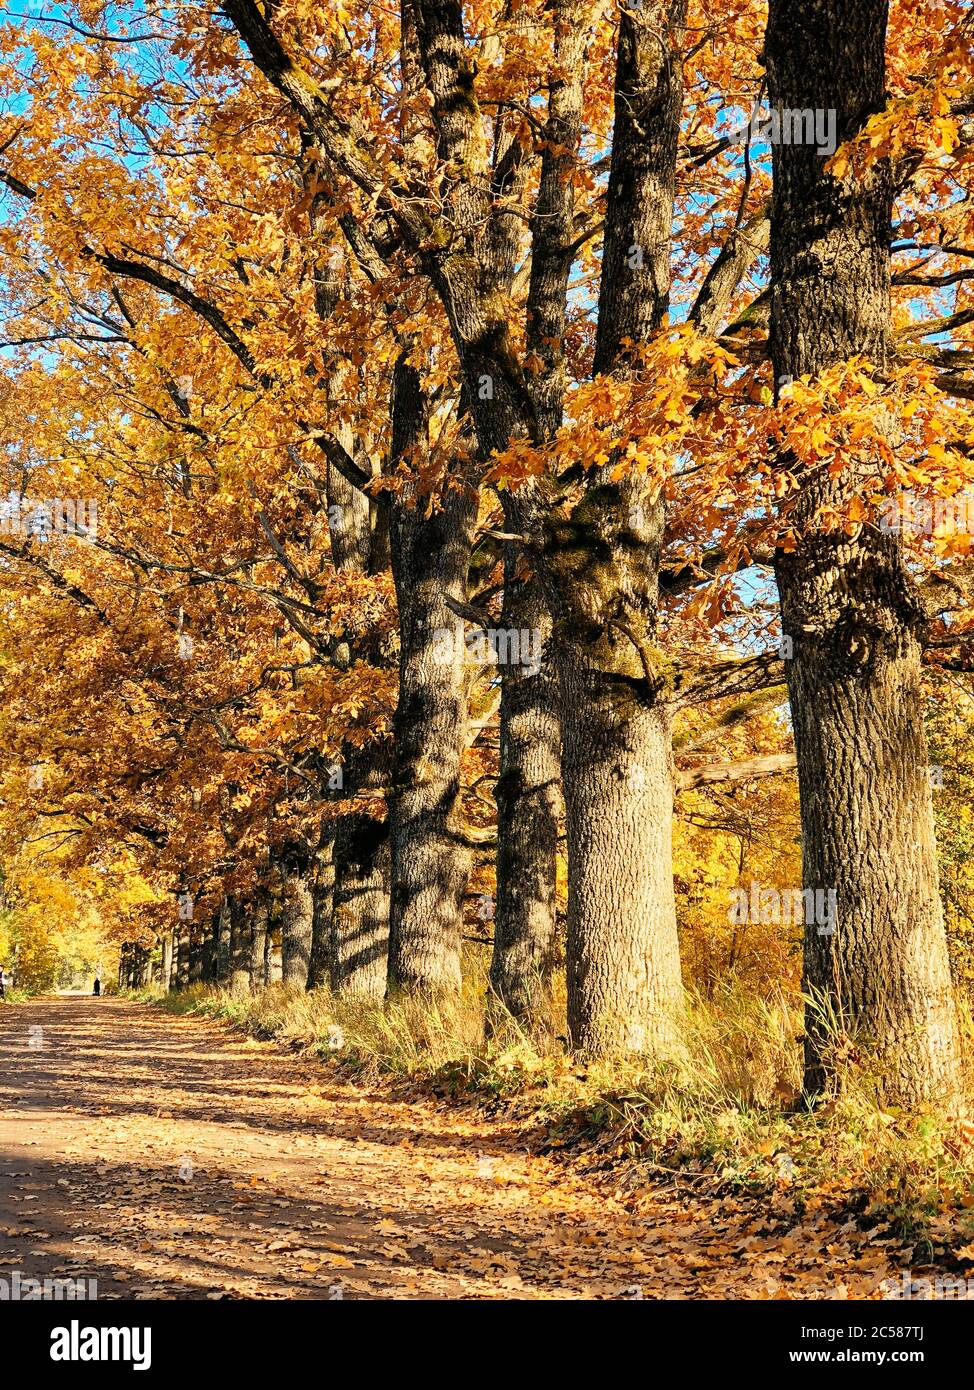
(356, 925)
(553, 226)
(272, 946)
(209, 965)
(848, 603)
(297, 913)
(323, 896)
(742, 247)
(602, 564)
(624, 981)
(349, 522)
(181, 950)
(634, 287)
(239, 948)
(349, 948)
(528, 790)
(360, 908)
(357, 523)
(196, 953)
(165, 973)
(258, 972)
(599, 556)
(429, 863)
(223, 943)
(528, 806)
(430, 859)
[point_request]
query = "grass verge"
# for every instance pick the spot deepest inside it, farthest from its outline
(728, 1114)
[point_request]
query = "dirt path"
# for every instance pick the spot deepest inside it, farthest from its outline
(168, 1158)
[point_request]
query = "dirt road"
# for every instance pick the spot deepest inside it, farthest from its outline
(169, 1158)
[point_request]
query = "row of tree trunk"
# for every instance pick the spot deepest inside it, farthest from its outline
(241, 949)
(378, 903)
(134, 966)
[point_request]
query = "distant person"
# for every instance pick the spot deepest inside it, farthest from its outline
(3, 985)
(97, 988)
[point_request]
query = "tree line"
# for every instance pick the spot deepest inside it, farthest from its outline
(372, 330)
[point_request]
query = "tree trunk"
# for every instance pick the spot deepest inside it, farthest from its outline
(211, 950)
(360, 908)
(224, 929)
(528, 790)
(166, 970)
(196, 952)
(469, 269)
(174, 981)
(258, 974)
(848, 604)
(624, 982)
(349, 949)
(528, 804)
(601, 568)
(181, 950)
(323, 895)
(430, 860)
(272, 951)
(297, 913)
(238, 948)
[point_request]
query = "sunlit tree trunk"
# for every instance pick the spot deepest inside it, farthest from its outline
(848, 603)
(602, 560)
